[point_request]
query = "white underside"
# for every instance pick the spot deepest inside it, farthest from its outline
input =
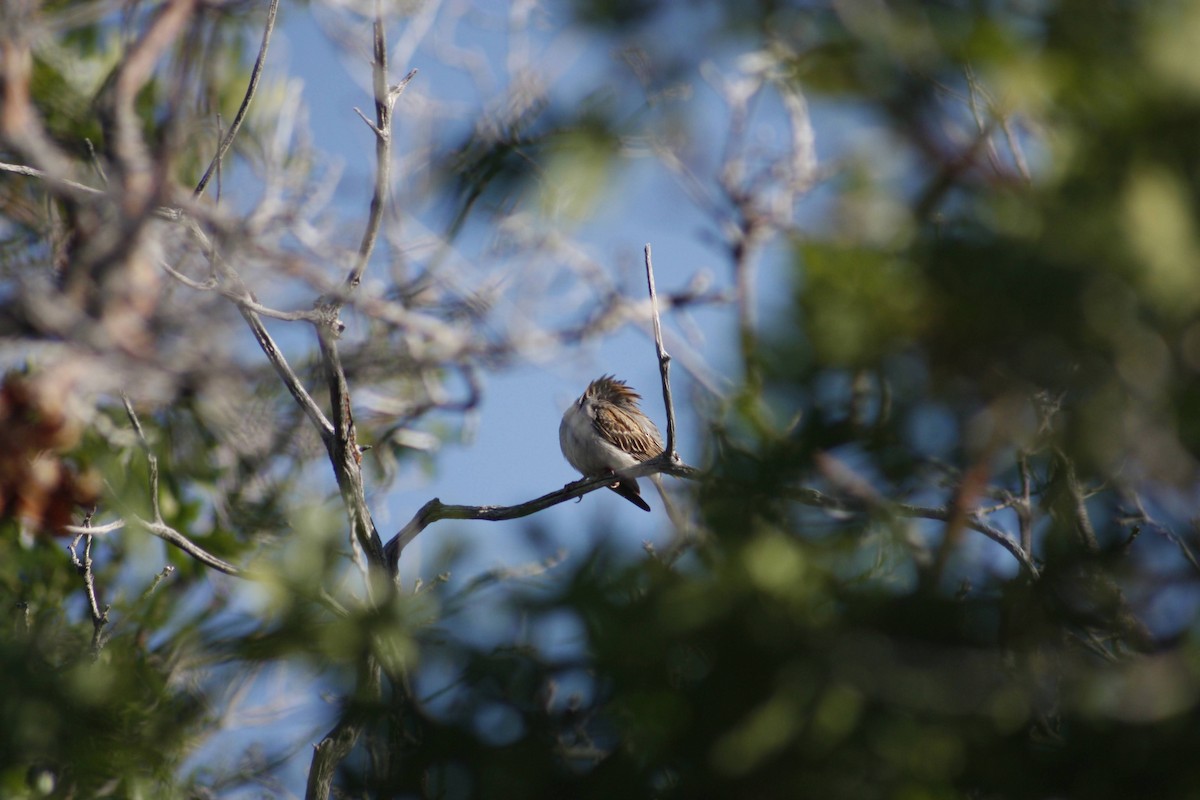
(584, 449)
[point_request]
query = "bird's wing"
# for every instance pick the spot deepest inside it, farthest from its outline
(622, 430)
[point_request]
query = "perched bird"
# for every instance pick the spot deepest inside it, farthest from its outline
(604, 431)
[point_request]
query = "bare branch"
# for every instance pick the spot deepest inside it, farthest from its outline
(817, 499)
(341, 443)
(85, 530)
(172, 536)
(57, 182)
(151, 459)
(344, 451)
(1164, 531)
(1083, 521)
(84, 567)
(157, 526)
(668, 462)
(340, 740)
(664, 359)
(158, 578)
(385, 100)
(436, 510)
(286, 374)
(235, 126)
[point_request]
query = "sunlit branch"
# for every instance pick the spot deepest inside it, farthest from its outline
(664, 359)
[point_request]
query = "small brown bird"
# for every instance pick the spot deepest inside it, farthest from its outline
(604, 431)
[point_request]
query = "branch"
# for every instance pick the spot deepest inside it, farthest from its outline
(1144, 517)
(151, 459)
(817, 499)
(54, 181)
(172, 536)
(250, 310)
(286, 374)
(385, 100)
(88, 530)
(436, 510)
(157, 526)
(664, 359)
(255, 74)
(84, 567)
(1024, 507)
(1083, 522)
(327, 754)
(668, 462)
(344, 451)
(241, 297)
(340, 740)
(158, 578)
(340, 442)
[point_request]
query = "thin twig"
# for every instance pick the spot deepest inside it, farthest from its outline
(241, 296)
(33, 172)
(974, 90)
(1083, 521)
(81, 530)
(95, 162)
(1024, 507)
(255, 74)
(162, 574)
(286, 374)
(249, 309)
(219, 161)
(502, 574)
(683, 536)
(156, 525)
(84, 567)
(151, 459)
(1166, 532)
(385, 100)
(664, 359)
(172, 536)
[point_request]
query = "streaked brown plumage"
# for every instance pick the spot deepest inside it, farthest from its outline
(605, 430)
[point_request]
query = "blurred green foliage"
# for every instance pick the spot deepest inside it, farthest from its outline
(1036, 291)
(1030, 296)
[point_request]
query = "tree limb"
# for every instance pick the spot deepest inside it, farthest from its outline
(436, 510)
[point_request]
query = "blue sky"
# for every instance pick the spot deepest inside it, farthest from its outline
(514, 454)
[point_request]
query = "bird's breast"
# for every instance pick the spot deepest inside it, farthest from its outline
(584, 448)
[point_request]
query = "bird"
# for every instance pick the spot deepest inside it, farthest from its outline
(605, 430)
